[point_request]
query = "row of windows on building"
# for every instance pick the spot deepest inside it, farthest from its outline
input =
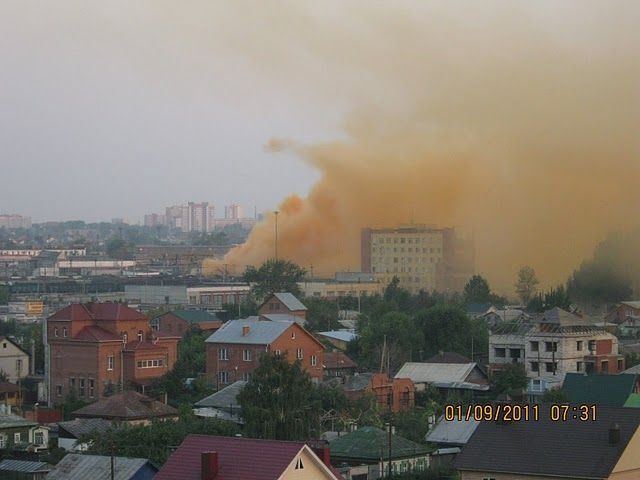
(20, 437)
(81, 386)
(224, 377)
(548, 347)
(125, 335)
(217, 300)
(342, 293)
(247, 355)
(417, 251)
(409, 240)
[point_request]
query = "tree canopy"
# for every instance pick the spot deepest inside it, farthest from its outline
(526, 284)
(274, 276)
(280, 401)
(477, 290)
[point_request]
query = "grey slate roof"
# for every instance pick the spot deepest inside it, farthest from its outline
(261, 332)
(10, 421)
(456, 432)
(635, 370)
(84, 426)
(442, 375)
(96, 467)
(284, 317)
(342, 335)
(24, 466)
(290, 301)
(567, 449)
(128, 405)
(225, 399)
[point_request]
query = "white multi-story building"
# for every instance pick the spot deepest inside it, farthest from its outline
(557, 343)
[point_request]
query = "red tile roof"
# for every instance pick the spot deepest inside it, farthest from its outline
(127, 405)
(239, 458)
(97, 311)
(96, 334)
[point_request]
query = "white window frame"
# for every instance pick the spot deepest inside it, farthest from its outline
(110, 363)
(17, 437)
(299, 353)
(314, 360)
(223, 354)
(246, 355)
(3, 441)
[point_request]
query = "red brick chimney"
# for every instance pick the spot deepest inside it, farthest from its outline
(322, 450)
(209, 465)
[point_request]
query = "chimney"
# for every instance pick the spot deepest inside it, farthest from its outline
(322, 450)
(209, 464)
(245, 330)
(614, 434)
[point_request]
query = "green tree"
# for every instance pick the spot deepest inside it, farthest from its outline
(477, 290)
(397, 295)
(119, 249)
(554, 297)
(322, 314)
(555, 395)
(526, 284)
(4, 294)
(280, 401)
(274, 276)
(511, 379)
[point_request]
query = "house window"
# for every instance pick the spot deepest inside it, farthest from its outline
(3, 441)
(534, 346)
(604, 366)
(246, 355)
(314, 360)
(299, 354)
(92, 388)
(81, 389)
(38, 438)
(64, 332)
(278, 352)
(579, 366)
(17, 437)
(125, 337)
(592, 345)
(246, 376)
(620, 365)
(19, 366)
(223, 377)
(299, 464)
(500, 352)
(55, 332)
(110, 363)
(551, 367)
(579, 345)
(223, 354)
(72, 383)
(293, 335)
(551, 346)
(140, 335)
(535, 367)
(59, 390)
(155, 324)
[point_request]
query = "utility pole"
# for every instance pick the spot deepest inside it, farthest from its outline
(276, 242)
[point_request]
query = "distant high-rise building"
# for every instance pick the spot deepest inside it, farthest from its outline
(155, 220)
(14, 221)
(177, 216)
(198, 217)
(233, 212)
(211, 219)
(422, 257)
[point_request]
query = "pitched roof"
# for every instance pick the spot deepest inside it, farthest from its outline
(14, 343)
(225, 398)
(367, 443)
(290, 301)
(127, 405)
(334, 360)
(193, 316)
(444, 375)
(610, 390)
(567, 449)
(238, 458)
(456, 432)
(633, 401)
(635, 370)
(97, 467)
(562, 318)
(10, 420)
(342, 335)
(260, 332)
(97, 311)
(84, 426)
(24, 466)
(97, 334)
(283, 317)
(634, 304)
(356, 383)
(448, 357)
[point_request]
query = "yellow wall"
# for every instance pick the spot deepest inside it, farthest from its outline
(313, 469)
(629, 460)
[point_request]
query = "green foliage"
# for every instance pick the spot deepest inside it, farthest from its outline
(555, 297)
(399, 297)
(436, 473)
(322, 315)
(280, 401)
(413, 425)
(477, 290)
(274, 276)
(54, 455)
(71, 404)
(526, 284)
(4, 294)
(448, 328)
(396, 331)
(155, 441)
(631, 359)
(119, 249)
(232, 311)
(511, 379)
(555, 395)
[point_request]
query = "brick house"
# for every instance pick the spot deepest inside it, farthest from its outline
(391, 394)
(97, 346)
(179, 321)
(233, 352)
(282, 303)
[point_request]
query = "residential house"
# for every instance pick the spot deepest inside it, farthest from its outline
(95, 347)
(609, 390)
(607, 447)
(128, 407)
(9, 394)
(392, 394)
(447, 377)
(233, 352)
(222, 404)
(337, 364)
(17, 433)
(338, 338)
(371, 453)
(448, 357)
(179, 321)
(23, 470)
(71, 431)
(203, 457)
(552, 345)
(495, 316)
(450, 437)
(624, 311)
(14, 361)
(97, 467)
(283, 303)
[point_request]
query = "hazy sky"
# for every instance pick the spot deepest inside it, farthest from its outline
(119, 108)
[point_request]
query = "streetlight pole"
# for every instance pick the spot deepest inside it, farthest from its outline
(276, 243)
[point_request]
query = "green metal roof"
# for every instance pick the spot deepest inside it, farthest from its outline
(371, 443)
(609, 390)
(633, 401)
(194, 316)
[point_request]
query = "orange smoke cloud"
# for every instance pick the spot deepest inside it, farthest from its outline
(519, 124)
